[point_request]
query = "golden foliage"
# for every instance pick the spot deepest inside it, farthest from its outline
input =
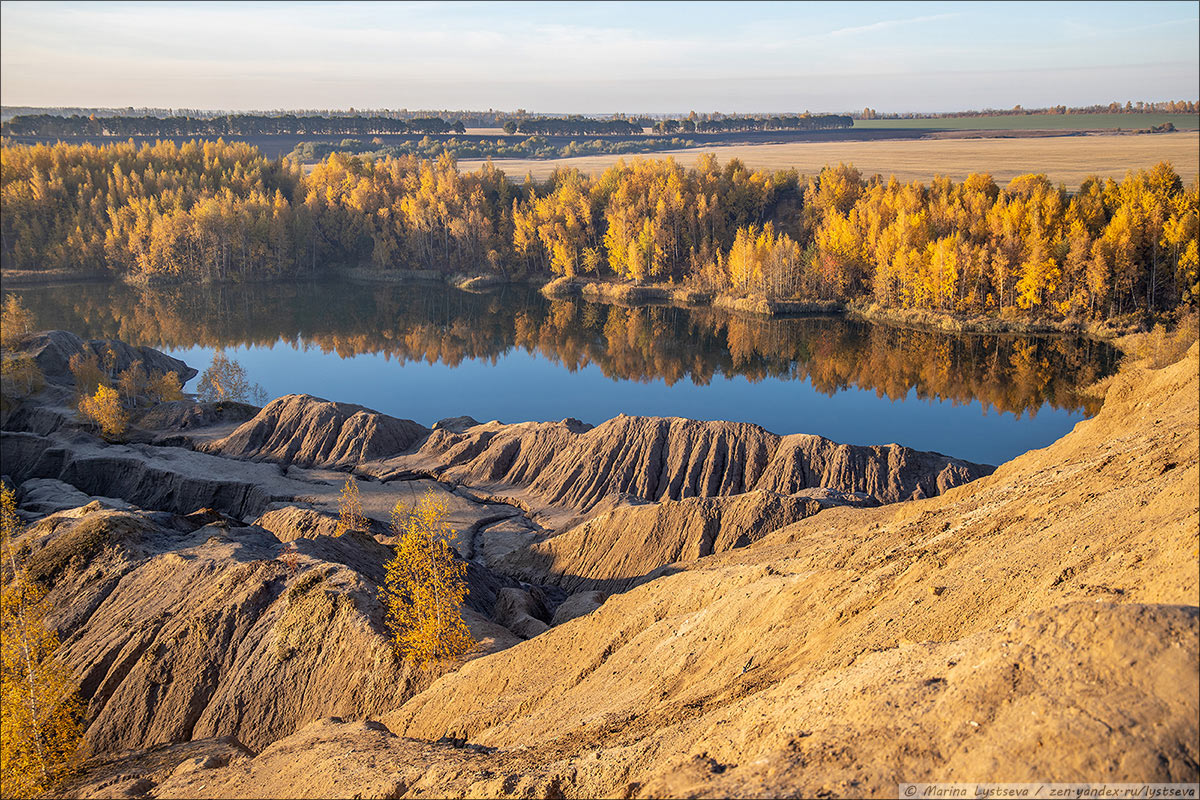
(39, 708)
(425, 586)
(218, 211)
(133, 383)
(105, 409)
(137, 386)
(21, 376)
(1164, 345)
(164, 387)
(350, 509)
(226, 379)
(87, 372)
(16, 321)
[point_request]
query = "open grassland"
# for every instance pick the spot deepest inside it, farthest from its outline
(1067, 160)
(1025, 122)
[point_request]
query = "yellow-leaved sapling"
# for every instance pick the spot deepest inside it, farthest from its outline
(425, 586)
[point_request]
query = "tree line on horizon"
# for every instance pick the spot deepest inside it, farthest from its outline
(1129, 107)
(721, 123)
(225, 125)
(219, 211)
(536, 146)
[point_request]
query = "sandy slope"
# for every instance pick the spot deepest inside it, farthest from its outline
(1037, 623)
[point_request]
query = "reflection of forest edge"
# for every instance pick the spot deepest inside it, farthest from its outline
(435, 323)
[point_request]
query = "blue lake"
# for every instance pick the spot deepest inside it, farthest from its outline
(426, 352)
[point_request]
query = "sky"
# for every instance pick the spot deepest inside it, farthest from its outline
(597, 57)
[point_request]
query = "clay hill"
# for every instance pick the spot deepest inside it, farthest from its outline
(664, 607)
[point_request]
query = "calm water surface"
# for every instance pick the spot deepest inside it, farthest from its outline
(426, 352)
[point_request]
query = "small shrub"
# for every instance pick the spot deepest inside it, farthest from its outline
(290, 558)
(306, 583)
(1164, 345)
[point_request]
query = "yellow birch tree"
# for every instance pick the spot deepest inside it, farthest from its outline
(105, 409)
(425, 586)
(350, 509)
(39, 708)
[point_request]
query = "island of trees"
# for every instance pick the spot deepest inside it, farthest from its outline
(216, 210)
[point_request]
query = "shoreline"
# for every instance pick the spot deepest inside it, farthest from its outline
(629, 294)
(32, 278)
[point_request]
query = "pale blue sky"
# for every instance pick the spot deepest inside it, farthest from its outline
(601, 57)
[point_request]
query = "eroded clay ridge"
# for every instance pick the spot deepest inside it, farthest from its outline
(632, 543)
(161, 478)
(571, 464)
(307, 431)
(52, 351)
(189, 627)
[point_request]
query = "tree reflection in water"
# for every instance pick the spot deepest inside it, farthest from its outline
(437, 324)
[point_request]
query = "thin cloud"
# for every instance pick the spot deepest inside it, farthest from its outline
(890, 23)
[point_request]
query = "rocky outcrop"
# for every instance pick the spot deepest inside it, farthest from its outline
(52, 351)
(293, 522)
(41, 496)
(455, 424)
(136, 773)
(616, 550)
(308, 431)
(508, 455)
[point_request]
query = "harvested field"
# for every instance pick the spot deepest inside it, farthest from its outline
(1068, 159)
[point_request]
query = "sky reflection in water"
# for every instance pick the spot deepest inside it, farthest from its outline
(426, 352)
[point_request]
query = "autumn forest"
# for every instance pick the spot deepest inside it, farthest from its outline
(222, 211)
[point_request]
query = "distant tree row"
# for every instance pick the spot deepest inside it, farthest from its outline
(1129, 107)
(573, 126)
(719, 123)
(533, 147)
(224, 126)
(220, 211)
